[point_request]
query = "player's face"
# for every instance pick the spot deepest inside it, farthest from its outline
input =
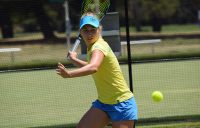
(90, 34)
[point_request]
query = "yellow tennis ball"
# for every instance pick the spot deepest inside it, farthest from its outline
(157, 96)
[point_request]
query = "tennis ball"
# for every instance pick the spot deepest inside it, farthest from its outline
(157, 96)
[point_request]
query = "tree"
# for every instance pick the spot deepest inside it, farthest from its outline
(42, 19)
(5, 22)
(7, 8)
(136, 10)
(188, 11)
(158, 10)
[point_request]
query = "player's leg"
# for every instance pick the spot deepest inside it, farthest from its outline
(123, 124)
(94, 118)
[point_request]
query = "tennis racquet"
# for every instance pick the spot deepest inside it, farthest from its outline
(99, 7)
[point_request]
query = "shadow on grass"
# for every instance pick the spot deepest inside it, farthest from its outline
(57, 126)
(141, 122)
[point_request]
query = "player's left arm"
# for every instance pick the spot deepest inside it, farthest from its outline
(90, 68)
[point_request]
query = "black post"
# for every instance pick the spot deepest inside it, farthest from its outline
(128, 45)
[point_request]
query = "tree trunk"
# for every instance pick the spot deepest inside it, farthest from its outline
(156, 24)
(42, 19)
(5, 22)
(136, 14)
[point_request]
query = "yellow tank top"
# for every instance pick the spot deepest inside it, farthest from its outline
(109, 80)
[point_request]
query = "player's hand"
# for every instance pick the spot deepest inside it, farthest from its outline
(72, 55)
(62, 71)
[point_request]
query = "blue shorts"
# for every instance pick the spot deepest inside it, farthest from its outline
(123, 111)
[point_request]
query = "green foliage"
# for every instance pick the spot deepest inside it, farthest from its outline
(159, 8)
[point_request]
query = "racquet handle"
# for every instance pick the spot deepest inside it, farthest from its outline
(75, 46)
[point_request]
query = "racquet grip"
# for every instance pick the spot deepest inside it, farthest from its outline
(75, 46)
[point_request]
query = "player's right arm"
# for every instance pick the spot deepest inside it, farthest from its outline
(73, 59)
(90, 68)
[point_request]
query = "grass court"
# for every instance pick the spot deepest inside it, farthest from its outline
(42, 98)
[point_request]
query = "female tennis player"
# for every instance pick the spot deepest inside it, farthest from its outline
(115, 103)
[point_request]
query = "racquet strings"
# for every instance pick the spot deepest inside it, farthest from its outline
(99, 7)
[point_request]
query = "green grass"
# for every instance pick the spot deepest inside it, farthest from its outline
(171, 125)
(168, 29)
(172, 28)
(42, 98)
(39, 55)
(182, 28)
(174, 125)
(168, 48)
